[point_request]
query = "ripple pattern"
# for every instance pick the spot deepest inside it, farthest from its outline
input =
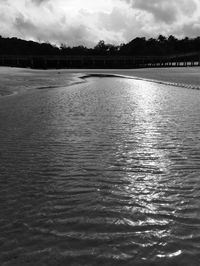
(101, 173)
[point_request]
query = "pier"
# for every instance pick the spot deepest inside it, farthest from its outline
(47, 62)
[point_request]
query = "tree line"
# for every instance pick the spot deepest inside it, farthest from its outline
(138, 46)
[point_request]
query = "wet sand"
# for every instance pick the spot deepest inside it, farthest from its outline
(187, 77)
(16, 80)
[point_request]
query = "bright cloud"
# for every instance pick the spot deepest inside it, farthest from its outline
(77, 22)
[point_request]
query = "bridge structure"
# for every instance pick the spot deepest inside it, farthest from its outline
(69, 61)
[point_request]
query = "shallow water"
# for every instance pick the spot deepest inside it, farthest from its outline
(19, 80)
(101, 173)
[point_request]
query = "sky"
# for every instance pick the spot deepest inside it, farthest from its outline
(85, 22)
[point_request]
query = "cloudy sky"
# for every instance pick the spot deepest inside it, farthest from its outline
(76, 22)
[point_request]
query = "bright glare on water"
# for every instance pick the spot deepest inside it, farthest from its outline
(106, 172)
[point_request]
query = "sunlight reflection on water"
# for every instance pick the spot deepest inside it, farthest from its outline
(102, 172)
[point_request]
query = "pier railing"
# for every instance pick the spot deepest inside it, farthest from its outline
(49, 61)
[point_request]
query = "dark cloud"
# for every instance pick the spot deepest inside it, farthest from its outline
(162, 10)
(167, 11)
(191, 29)
(24, 25)
(39, 2)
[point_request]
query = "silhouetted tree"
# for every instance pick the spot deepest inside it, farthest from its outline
(138, 46)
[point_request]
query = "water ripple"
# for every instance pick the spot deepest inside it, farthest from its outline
(100, 173)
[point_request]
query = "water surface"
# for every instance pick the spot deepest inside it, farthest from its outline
(100, 173)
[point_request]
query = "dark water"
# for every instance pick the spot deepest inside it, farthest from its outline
(102, 173)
